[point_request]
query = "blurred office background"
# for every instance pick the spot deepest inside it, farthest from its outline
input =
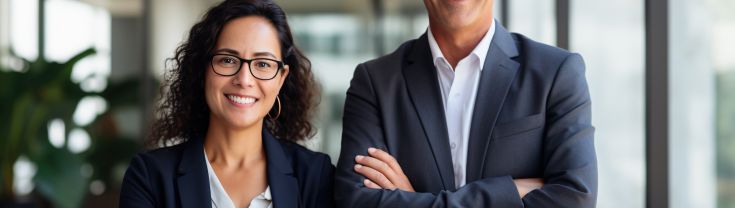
(79, 78)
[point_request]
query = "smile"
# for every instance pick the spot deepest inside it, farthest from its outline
(241, 100)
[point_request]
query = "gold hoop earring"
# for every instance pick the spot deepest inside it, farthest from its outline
(278, 100)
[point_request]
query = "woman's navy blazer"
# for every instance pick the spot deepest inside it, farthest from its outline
(177, 176)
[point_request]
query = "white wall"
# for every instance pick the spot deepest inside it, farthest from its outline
(23, 28)
(4, 28)
(169, 26)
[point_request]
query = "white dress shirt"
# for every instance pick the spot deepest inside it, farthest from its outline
(458, 89)
(220, 199)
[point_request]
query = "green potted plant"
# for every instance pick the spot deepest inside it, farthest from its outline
(31, 98)
(43, 92)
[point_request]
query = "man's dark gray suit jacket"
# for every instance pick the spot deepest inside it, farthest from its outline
(531, 120)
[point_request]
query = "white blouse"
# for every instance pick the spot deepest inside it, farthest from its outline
(220, 199)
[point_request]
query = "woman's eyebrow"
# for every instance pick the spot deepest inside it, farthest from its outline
(234, 52)
(265, 54)
(227, 50)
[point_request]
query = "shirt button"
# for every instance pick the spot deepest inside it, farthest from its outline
(453, 145)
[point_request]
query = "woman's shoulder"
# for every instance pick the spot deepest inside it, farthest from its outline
(315, 174)
(160, 160)
(307, 163)
(163, 154)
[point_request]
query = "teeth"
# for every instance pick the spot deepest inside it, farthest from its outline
(241, 100)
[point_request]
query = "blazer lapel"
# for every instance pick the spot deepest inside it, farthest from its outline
(499, 71)
(193, 183)
(283, 184)
(423, 88)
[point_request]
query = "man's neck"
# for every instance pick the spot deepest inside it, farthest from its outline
(457, 43)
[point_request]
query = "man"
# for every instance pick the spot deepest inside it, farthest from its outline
(468, 115)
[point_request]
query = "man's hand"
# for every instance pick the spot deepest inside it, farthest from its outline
(382, 171)
(526, 185)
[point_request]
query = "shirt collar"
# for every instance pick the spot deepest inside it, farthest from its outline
(480, 51)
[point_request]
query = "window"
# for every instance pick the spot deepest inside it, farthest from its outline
(702, 101)
(532, 18)
(610, 36)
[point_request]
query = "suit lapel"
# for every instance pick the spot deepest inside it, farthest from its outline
(423, 88)
(283, 184)
(193, 183)
(498, 73)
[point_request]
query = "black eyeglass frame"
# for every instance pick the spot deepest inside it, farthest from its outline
(248, 61)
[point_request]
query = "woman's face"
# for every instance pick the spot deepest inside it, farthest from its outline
(241, 100)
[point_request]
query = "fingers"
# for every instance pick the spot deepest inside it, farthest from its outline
(387, 167)
(530, 182)
(374, 176)
(371, 184)
(526, 185)
(386, 158)
(378, 165)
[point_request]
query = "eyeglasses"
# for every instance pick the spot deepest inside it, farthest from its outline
(260, 68)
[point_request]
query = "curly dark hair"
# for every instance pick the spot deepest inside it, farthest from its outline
(183, 112)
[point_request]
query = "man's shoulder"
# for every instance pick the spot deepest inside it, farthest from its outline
(533, 51)
(391, 61)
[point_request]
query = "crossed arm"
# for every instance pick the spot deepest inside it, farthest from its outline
(569, 173)
(382, 171)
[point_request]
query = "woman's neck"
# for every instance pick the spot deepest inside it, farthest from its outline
(234, 148)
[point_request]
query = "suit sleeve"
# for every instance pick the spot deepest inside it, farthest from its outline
(570, 174)
(362, 129)
(136, 190)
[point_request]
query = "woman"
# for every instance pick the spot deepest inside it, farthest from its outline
(240, 94)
